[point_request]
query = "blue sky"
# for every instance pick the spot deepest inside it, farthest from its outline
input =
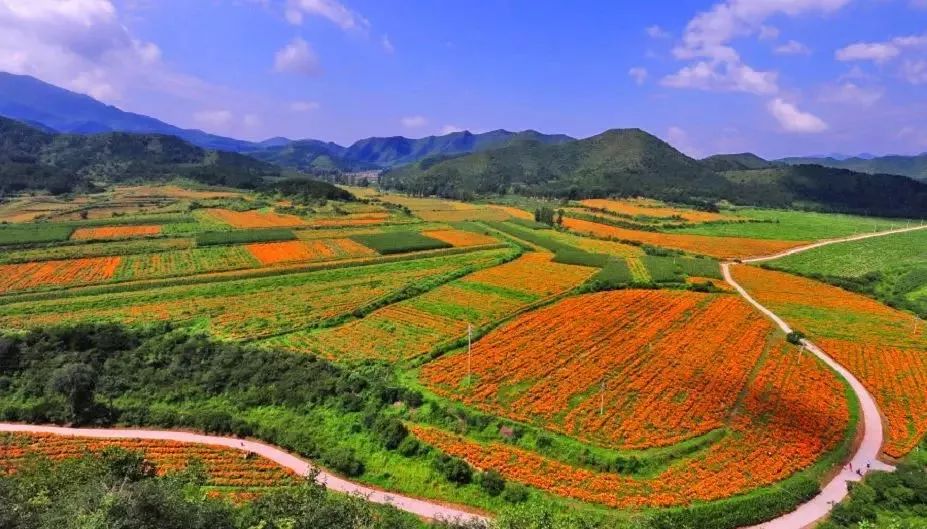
(775, 77)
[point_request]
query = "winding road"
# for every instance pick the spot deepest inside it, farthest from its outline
(865, 458)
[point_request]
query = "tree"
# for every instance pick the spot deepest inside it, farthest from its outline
(560, 217)
(76, 383)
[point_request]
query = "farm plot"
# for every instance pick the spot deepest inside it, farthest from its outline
(99, 249)
(399, 242)
(416, 326)
(650, 209)
(255, 219)
(248, 308)
(718, 247)
(58, 273)
(224, 467)
(460, 238)
(114, 232)
(627, 369)
(885, 348)
(184, 262)
(34, 233)
(357, 219)
(794, 411)
(308, 251)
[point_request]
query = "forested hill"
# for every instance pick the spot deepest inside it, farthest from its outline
(913, 166)
(34, 159)
(632, 162)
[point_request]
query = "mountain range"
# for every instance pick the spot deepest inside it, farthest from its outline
(913, 166)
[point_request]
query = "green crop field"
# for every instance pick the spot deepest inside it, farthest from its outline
(212, 238)
(793, 225)
(34, 233)
(892, 268)
(399, 242)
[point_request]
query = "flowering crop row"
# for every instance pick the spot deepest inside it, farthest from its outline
(793, 412)
(60, 273)
(417, 325)
(885, 348)
(631, 369)
(223, 466)
(460, 238)
(271, 253)
(636, 208)
(255, 219)
(720, 247)
(114, 232)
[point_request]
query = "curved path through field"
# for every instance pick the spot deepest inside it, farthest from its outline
(423, 508)
(866, 456)
(864, 459)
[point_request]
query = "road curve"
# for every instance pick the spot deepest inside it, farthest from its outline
(866, 456)
(425, 509)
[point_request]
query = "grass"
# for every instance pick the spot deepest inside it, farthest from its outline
(792, 225)
(563, 253)
(693, 267)
(34, 233)
(398, 242)
(213, 238)
(663, 269)
(892, 268)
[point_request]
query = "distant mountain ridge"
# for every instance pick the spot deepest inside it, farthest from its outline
(736, 162)
(912, 166)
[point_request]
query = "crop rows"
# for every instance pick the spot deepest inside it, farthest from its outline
(255, 219)
(794, 412)
(655, 210)
(630, 369)
(460, 238)
(719, 247)
(313, 250)
(224, 467)
(114, 232)
(61, 273)
(417, 325)
(883, 347)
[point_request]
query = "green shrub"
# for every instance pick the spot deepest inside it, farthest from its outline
(492, 482)
(399, 242)
(211, 238)
(515, 492)
(390, 431)
(453, 469)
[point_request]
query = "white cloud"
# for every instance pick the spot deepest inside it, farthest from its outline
(332, 10)
(450, 129)
(852, 94)
(861, 51)
(656, 32)
(413, 122)
(708, 36)
(792, 119)
(730, 77)
(304, 106)
(251, 121)
(214, 119)
(297, 57)
(387, 45)
(638, 74)
(914, 71)
(79, 44)
(769, 33)
(792, 47)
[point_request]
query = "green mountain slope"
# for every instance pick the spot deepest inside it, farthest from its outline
(736, 162)
(912, 166)
(34, 159)
(632, 162)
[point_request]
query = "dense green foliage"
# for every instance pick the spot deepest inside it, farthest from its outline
(34, 233)
(120, 489)
(32, 159)
(735, 162)
(399, 242)
(891, 268)
(913, 166)
(307, 190)
(243, 236)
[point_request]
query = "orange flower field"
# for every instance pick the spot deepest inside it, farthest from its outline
(876, 343)
(793, 412)
(460, 238)
(270, 253)
(416, 326)
(255, 219)
(360, 219)
(535, 273)
(224, 467)
(640, 208)
(60, 273)
(718, 247)
(114, 232)
(672, 364)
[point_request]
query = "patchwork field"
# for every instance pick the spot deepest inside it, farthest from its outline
(226, 470)
(892, 268)
(114, 232)
(255, 219)
(791, 414)
(718, 247)
(626, 369)
(885, 348)
(645, 209)
(416, 326)
(251, 308)
(272, 253)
